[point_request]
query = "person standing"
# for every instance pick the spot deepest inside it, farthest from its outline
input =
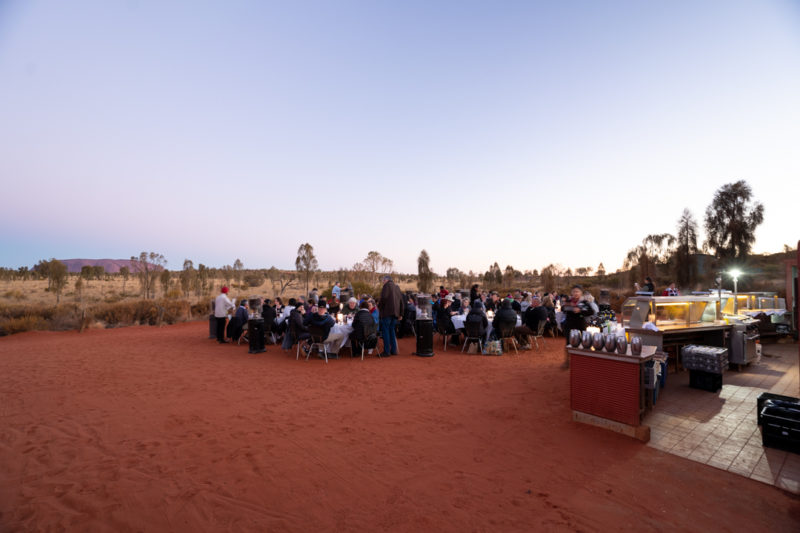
(222, 305)
(390, 309)
(336, 291)
(576, 311)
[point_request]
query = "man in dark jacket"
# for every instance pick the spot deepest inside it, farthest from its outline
(390, 307)
(476, 321)
(363, 328)
(297, 331)
(531, 318)
(504, 320)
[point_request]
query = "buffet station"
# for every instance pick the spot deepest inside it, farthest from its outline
(612, 381)
(671, 322)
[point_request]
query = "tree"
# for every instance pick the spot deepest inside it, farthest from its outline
(165, 279)
(424, 273)
(187, 276)
(147, 267)
(453, 274)
(237, 271)
(57, 279)
(98, 271)
(601, 270)
(125, 272)
(227, 274)
(509, 274)
(731, 221)
(306, 261)
(655, 249)
(87, 273)
(686, 250)
(375, 262)
(201, 282)
(79, 288)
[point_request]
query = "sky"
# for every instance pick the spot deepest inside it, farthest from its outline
(520, 132)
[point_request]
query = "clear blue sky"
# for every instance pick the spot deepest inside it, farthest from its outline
(519, 132)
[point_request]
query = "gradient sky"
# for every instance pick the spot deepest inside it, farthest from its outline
(519, 132)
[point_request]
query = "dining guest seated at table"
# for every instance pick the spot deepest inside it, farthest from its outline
(268, 314)
(363, 327)
(373, 310)
(350, 308)
(533, 316)
(296, 322)
(334, 306)
(505, 317)
(465, 307)
(492, 302)
(321, 318)
(477, 316)
(444, 319)
(552, 324)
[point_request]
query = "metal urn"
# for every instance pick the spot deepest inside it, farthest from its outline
(636, 345)
(611, 342)
(597, 341)
(575, 338)
(622, 345)
(586, 340)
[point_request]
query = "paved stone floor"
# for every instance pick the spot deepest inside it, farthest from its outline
(720, 429)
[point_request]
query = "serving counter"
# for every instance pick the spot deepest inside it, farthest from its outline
(608, 389)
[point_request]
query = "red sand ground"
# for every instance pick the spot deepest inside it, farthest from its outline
(157, 429)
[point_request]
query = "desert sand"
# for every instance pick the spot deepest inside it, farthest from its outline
(161, 429)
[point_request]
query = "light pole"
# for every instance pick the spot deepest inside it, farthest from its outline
(735, 273)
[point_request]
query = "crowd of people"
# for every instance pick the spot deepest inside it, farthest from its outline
(521, 314)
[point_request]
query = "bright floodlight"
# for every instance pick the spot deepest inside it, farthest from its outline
(735, 273)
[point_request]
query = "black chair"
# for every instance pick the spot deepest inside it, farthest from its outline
(505, 332)
(474, 332)
(370, 343)
(539, 334)
(297, 337)
(318, 336)
(446, 332)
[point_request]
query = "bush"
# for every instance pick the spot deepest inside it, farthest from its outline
(15, 294)
(174, 294)
(9, 326)
(254, 280)
(359, 288)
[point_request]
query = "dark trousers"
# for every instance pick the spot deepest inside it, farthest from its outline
(220, 329)
(388, 334)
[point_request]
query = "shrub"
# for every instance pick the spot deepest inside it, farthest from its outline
(174, 294)
(253, 280)
(15, 294)
(9, 326)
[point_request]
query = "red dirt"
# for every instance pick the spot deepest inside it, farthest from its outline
(156, 429)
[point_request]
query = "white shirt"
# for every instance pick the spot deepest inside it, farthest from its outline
(221, 305)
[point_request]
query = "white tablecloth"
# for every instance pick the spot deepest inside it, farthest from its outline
(339, 337)
(458, 322)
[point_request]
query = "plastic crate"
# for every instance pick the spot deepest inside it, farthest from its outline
(764, 396)
(707, 381)
(780, 427)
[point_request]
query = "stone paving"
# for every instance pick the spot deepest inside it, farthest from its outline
(720, 429)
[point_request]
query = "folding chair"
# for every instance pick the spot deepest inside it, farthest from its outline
(370, 343)
(473, 333)
(539, 334)
(317, 341)
(506, 333)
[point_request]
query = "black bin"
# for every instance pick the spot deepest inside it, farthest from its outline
(764, 396)
(707, 381)
(212, 326)
(255, 330)
(780, 425)
(424, 327)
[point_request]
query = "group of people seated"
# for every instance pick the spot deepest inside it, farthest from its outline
(534, 312)
(520, 314)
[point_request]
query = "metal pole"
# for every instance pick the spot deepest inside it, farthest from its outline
(735, 296)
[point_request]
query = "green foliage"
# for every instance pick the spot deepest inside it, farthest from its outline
(424, 273)
(306, 262)
(731, 221)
